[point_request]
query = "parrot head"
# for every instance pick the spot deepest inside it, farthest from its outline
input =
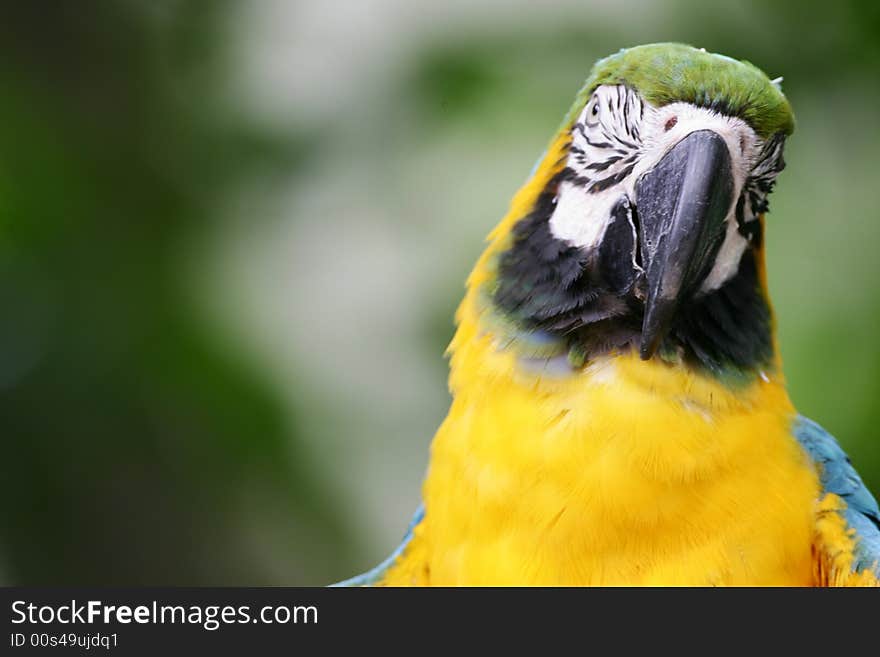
(641, 227)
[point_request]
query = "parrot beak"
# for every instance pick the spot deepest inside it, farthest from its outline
(682, 204)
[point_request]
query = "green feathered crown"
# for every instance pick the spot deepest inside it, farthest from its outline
(672, 72)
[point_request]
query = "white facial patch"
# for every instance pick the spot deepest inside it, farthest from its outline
(580, 218)
(618, 137)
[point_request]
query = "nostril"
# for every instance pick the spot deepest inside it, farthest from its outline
(670, 123)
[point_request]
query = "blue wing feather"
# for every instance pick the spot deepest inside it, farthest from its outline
(837, 475)
(376, 574)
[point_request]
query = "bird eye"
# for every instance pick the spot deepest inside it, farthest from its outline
(670, 123)
(595, 110)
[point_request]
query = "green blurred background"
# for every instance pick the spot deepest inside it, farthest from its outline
(232, 237)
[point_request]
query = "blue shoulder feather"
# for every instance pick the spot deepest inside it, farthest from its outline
(837, 475)
(375, 575)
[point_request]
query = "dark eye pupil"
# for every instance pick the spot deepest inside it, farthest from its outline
(595, 109)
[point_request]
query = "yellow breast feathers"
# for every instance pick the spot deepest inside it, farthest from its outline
(631, 473)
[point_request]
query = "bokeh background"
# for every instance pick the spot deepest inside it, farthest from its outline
(232, 237)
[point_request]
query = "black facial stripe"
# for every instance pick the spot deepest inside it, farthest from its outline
(632, 127)
(605, 183)
(582, 132)
(626, 143)
(601, 166)
(573, 177)
(758, 200)
(770, 161)
(599, 144)
(750, 228)
(753, 233)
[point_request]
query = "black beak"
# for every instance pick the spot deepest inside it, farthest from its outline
(682, 203)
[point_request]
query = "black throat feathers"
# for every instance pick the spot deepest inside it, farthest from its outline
(593, 302)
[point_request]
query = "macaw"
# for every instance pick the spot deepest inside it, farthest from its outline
(619, 412)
